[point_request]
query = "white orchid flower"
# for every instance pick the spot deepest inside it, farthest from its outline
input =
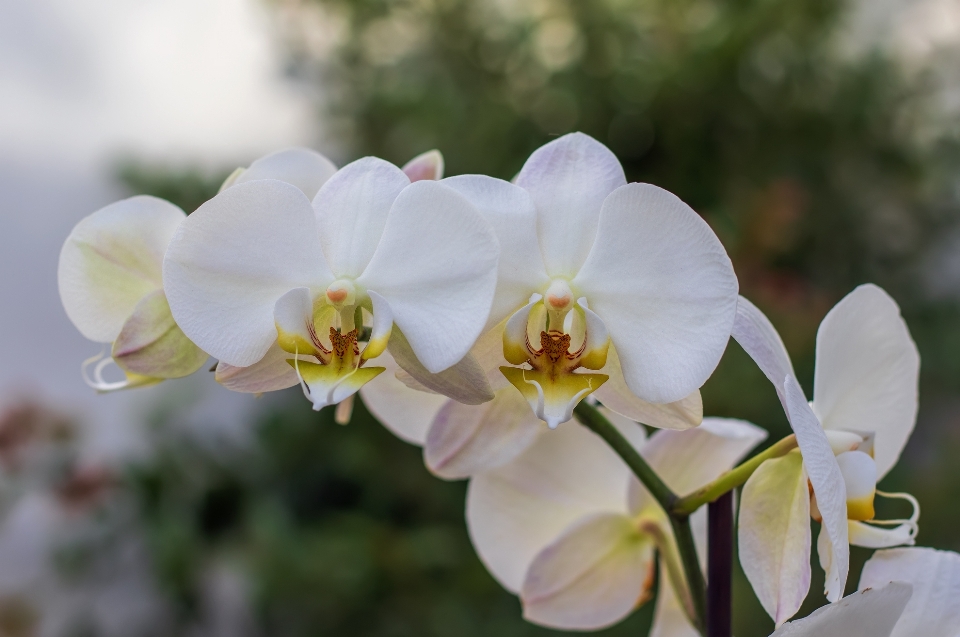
(111, 287)
(934, 609)
(849, 436)
(869, 613)
(589, 261)
(304, 168)
(258, 275)
(568, 528)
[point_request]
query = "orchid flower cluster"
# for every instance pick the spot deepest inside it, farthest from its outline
(519, 332)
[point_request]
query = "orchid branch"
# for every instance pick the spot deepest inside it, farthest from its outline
(731, 479)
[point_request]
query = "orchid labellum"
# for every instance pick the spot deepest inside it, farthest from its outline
(112, 289)
(850, 435)
(259, 274)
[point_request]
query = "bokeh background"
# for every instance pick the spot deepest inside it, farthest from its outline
(819, 138)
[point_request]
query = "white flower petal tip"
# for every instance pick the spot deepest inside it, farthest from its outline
(270, 373)
(306, 169)
(903, 532)
(757, 336)
(867, 372)
(112, 260)
(665, 288)
(465, 381)
(829, 489)
(935, 576)
(326, 385)
(568, 179)
(464, 440)
(553, 398)
(97, 382)
(873, 612)
(425, 166)
(592, 576)
(774, 535)
(151, 345)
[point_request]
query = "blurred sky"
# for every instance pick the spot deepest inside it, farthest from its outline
(82, 83)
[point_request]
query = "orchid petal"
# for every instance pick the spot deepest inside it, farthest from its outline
(270, 373)
(757, 336)
(867, 372)
(614, 394)
(827, 481)
(111, 260)
(596, 341)
(352, 210)
(515, 338)
(568, 179)
(511, 212)
(516, 510)
(428, 165)
(869, 613)
(665, 288)
(293, 316)
(306, 169)
(774, 535)
(441, 291)
(466, 439)
(151, 344)
(406, 412)
(687, 460)
(873, 537)
(859, 473)
(464, 381)
(381, 329)
(552, 398)
(327, 385)
(233, 258)
(590, 577)
(935, 576)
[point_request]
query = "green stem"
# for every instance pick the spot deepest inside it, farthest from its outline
(731, 479)
(590, 416)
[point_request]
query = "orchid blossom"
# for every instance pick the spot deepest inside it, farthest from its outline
(872, 612)
(933, 611)
(568, 527)
(849, 436)
(259, 275)
(112, 290)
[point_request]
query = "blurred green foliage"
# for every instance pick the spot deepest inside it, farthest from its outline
(804, 158)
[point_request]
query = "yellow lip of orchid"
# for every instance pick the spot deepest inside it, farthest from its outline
(550, 385)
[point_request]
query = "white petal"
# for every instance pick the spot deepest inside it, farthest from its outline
(352, 209)
(869, 613)
(233, 258)
(270, 373)
(428, 165)
(669, 620)
(867, 372)
(757, 336)
(933, 611)
(304, 168)
(467, 439)
(404, 411)
(464, 381)
(876, 537)
(824, 473)
(381, 329)
(511, 212)
(774, 535)
(111, 260)
(592, 576)
(568, 179)
(687, 460)
(151, 344)
(664, 286)
(614, 394)
(436, 266)
(293, 316)
(516, 510)
(859, 473)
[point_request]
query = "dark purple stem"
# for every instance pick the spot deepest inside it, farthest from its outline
(720, 566)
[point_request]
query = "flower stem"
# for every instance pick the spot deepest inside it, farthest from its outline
(720, 566)
(591, 417)
(731, 479)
